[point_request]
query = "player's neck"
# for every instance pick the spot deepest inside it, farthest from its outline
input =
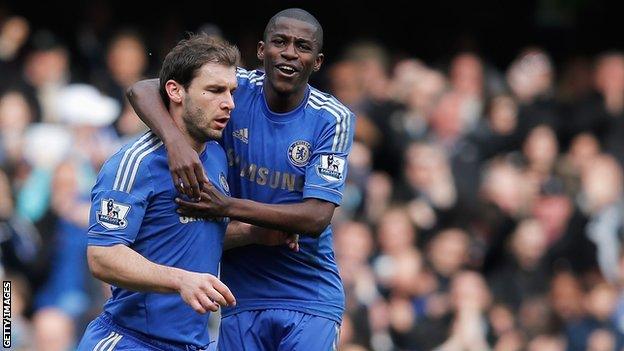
(196, 145)
(283, 103)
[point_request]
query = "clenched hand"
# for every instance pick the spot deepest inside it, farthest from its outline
(211, 203)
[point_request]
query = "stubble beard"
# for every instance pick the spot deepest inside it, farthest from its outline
(193, 118)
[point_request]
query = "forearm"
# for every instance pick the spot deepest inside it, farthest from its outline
(121, 266)
(147, 103)
(237, 234)
(302, 218)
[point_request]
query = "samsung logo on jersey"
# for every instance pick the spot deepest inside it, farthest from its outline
(265, 176)
(185, 219)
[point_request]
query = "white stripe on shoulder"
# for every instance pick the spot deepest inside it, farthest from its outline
(138, 163)
(114, 343)
(126, 155)
(97, 346)
(249, 75)
(346, 122)
(341, 113)
(257, 80)
(242, 72)
(330, 100)
(131, 161)
(108, 342)
(317, 106)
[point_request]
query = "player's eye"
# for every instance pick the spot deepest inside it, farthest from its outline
(305, 47)
(278, 41)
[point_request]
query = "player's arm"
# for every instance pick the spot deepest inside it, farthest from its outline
(118, 208)
(184, 163)
(243, 234)
(309, 217)
(325, 179)
(121, 266)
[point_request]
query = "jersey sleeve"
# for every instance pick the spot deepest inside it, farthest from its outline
(117, 211)
(327, 170)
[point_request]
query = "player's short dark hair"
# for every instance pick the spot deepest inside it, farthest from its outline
(298, 14)
(189, 55)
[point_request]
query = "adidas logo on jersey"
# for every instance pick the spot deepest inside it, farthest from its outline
(242, 135)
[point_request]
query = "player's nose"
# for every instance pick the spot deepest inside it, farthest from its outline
(228, 102)
(289, 52)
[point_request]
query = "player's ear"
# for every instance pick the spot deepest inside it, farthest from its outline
(260, 52)
(318, 62)
(174, 91)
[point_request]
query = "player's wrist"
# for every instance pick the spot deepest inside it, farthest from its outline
(230, 207)
(176, 278)
(173, 138)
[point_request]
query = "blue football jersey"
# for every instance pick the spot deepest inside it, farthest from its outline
(279, 159)
(133, 204)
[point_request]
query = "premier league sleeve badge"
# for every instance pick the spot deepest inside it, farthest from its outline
(112, 214)
(331, 168)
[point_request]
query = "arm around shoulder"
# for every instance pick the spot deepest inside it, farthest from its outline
(309, 217)
(184, 164)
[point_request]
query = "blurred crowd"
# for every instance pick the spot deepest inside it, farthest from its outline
(484, 207)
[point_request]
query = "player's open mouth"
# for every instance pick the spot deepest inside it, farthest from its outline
(286, 70)
(221, 122)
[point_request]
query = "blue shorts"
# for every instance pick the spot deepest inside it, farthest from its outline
(277, 330)
(103, 334)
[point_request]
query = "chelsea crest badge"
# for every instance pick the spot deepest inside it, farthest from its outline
(224, 184)
(299, 153)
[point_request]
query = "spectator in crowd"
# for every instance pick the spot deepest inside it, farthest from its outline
(566, 296)
(583, 148)
(14, 32)
(449, 122)
(466, 76)
(46, 72)
(504, 201)
(496, 132)
(601, 112)
(602, 191)
(448, 253)
(126, 63)
(598, 323)
(523, 274)
(470, 299)
(15, 117)
(354, 248)
(530, 78)
(430, 190)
